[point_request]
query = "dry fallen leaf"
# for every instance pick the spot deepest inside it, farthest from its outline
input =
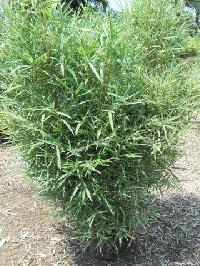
(4, 240)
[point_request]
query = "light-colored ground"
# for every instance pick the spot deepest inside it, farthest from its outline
(27, 234)
(29, 237)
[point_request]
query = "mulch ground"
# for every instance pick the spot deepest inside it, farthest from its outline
(29, 235)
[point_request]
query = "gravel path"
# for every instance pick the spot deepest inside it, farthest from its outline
(29, 235)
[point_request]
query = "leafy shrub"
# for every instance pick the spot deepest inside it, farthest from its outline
(2, 77)
(96, 103)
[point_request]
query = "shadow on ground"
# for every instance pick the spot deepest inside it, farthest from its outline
(172, 239)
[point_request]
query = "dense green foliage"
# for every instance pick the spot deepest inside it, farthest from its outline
(2, 76)
(96, 103)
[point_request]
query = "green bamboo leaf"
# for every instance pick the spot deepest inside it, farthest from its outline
(73, 73)
(68, 126)
(98, 133)
(42, 121)
(91, 220)
(110, 118)
(132, 155)
(58, 157)
(83, 195)
(77, 128)
(102, 72)
(62, 65)
(63, 114)
(109, 206)
(88, 193)
(95, 72)
(74, 192)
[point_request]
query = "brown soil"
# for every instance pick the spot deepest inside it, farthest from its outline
(29, 235)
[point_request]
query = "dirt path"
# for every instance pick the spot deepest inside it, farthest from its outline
(29, 237)
(27, 234)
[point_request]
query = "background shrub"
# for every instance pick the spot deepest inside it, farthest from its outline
(96, 103)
